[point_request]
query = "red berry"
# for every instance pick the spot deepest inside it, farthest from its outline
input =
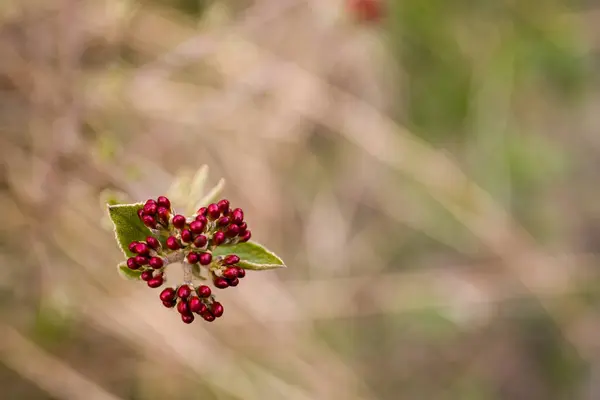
(230, 273)
(205, 258)
(167, 294)
(155, 282)
(195, 305)
(169, 304)
(221, 283)
(208, 316)
(200, 241)
(153, 242)
(223, 221)
(216, 309)
(140, 212)
(132, 264)
(237, 216)
(233, 282)
(218, 238)
(202, 218)
(142, 249)
(150, 201)
(156, 262)
(241, 272)
(147, 275)
(184, 292)
(132, 246)
(231, 259)
(197, 227)
(204, 291)
(163, 214)
(193, 258)
(201, 211)
(213, 211)
(243, 228)
(149, 221)
(183, 307)
(141, 260)
(150, 208)
(232, 230)
(179, 221)
(172, 243)
(246, 236)
(223, 205)
(162, 201)
(187, 318)
(186, 235)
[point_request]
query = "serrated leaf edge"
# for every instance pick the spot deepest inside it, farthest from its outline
(109, 207)
(123, 266)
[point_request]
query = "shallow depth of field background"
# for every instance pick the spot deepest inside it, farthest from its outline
(431, 180)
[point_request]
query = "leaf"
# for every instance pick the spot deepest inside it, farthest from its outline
(197, 187)
(211, 196)
(253, 256)
(129, 274)
(128, 227)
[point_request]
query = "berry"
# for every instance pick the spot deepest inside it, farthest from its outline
(142, 249)
(141, 260)
(197, 227)
(187, 318)
(196, 305)
(223, 221)
(132, 246)
(162, 201)
(246, 236)
(223, 206)
(237, 216)
(232, 230)
(150, 208)
(204, 291)
(217, 309)
(169, 304)
(153, 242)
(231, 259)
(156, 262)
(172, 243)
(241, 272)
(193, 258)
(234, 282)
(243, 228)
(184, 292)
(163, 214)
(147, 275)
(155, 282)
(230, 273)
(221, 283)
(149, 221)
(140, 213)
(150, 201)
(167, 294)
(218, 238)
(186, 235)
(201, 212)
(200, 241)
(183, 307)
(213, 211)
(179, 221)
(208, 316)
(205, 258)
(131, 263)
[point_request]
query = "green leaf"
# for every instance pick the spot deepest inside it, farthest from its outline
(253, 256)
(211, 196)
(129, 274)
(128, 227)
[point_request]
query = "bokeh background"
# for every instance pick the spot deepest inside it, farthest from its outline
(429, 176)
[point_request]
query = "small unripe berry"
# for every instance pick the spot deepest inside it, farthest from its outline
(201, 211)
(246, 236)
(184, 292)
(205, 258)
(193, 258)
(233, 282)
(217, 309)
(172, 243)
(163, 214)
(241, 272)
(162, 201)
(179, 221)
(208, 316)
(132, 246)
(218, 238)
(221, 283)
(230, 273)
(231, 259)
(150, 208)
(183, 307)
(147, 275)
(141, 260)
(237, 216)
(156, 262)
(223, 221)
(169, 304)
(142, 249)
(197, 227)
(132, 264)
(232, 230)
(213, 211)
(204, 291)
(200, 241)
(187, 318)
(153, 242)
(155, 282)
(223, 205)
(149, 221)
(167, 294)
(195, 305)
(186, 235)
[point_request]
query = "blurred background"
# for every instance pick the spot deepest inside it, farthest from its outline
(426, 168)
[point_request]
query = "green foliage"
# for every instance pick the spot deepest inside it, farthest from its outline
(253, 256)
(128, 227)
(127, 273)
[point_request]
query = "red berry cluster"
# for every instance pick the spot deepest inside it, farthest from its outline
(191, 241)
